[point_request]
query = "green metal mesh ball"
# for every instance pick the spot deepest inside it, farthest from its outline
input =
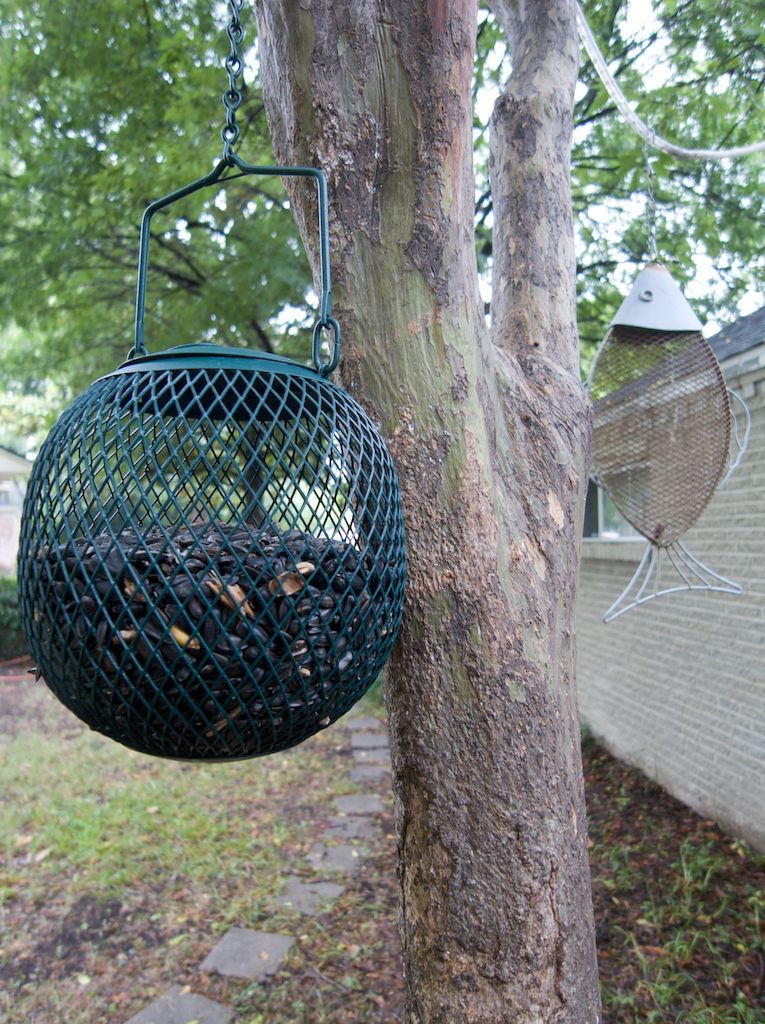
(212, 562)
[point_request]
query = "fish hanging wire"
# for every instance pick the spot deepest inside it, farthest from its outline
(644, 131)
(689, 573)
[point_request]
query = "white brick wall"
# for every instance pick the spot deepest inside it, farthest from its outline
(10, 524)
(677, 686)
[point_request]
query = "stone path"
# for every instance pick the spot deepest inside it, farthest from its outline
(343, 828)
(369, 741)
(242, 953)
(365, 803)
(181, 1007)
(308, 898)
(378, 755)
(254, 956)
(369, 773)
(335, 858)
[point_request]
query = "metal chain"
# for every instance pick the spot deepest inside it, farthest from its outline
(653, 249)
(232, 99)
(234, 64)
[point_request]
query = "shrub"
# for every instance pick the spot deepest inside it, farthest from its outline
(12, 643)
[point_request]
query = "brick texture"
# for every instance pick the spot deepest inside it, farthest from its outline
(677, 687)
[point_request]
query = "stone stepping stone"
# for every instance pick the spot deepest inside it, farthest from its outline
(178, 1006)
(370, 773)
(350, 828)
(364, 803)
(308, 897)
(378, 755)
(362, 724)
(242, 953)
(335, 858)
(369, 741)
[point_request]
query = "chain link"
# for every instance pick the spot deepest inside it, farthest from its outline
(653, 249)
(234, 64)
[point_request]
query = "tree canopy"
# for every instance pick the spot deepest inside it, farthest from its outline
(108, 106)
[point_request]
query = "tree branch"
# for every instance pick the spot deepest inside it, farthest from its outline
(533, 294)
(263, 338)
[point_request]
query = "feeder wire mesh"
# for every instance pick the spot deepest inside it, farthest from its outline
(212, 560)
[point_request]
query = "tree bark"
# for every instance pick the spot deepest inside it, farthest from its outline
(489, 433)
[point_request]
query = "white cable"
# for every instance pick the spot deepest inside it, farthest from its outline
(648, 135)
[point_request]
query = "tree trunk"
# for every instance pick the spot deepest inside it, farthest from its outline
(490, 438)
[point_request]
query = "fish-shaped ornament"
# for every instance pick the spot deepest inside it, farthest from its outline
(661, 431)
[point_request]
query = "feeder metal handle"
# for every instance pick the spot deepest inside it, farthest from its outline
(325, 321)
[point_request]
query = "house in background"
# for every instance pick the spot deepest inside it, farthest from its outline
(14, 471)
(677, 686)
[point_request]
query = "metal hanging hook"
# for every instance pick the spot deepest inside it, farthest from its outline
(325, 321)
(232, 99)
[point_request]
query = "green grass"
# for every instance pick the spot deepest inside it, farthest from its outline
(373, 702)
(116, 819)
(704, 928)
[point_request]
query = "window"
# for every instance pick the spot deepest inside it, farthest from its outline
(603, 520)
(11, 494)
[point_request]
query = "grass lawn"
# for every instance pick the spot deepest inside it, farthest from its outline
(118, 873)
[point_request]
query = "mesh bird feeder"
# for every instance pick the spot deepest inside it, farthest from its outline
(212, 560)
(662, 420)
(661, 427)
